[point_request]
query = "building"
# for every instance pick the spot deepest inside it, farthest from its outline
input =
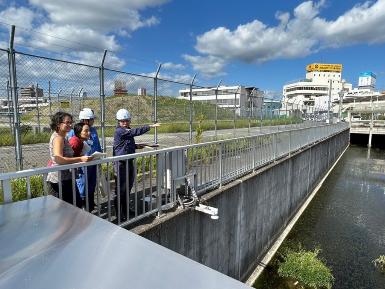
(142, 91)
(246, 101)
(313, 91)
(367, 80)
(29, 98)
(120, 87)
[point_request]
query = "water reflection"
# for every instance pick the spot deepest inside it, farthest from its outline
(346, 219)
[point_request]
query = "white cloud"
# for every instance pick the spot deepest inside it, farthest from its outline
(95, 58)
(18, 16)
(81, 30)
(172, 66)
(103, 16)
(79, 39)
(208, 65)
(294, 36)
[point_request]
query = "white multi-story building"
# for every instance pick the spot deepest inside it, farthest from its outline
(313, 91)
(245, 100)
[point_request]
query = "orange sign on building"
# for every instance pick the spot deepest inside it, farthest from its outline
(324, 67)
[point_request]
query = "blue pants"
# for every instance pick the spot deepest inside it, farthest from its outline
(81, 183)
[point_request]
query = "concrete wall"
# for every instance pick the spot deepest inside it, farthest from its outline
(253, 211)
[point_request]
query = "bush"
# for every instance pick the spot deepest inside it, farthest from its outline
(306, 268)
(379, 263)
(19, 188)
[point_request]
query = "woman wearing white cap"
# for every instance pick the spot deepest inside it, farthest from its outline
(87, 116)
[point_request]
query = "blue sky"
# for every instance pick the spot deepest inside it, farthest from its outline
(257, 43)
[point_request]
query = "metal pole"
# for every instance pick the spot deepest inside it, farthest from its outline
(49, 98)
(155, 109)
(13, 82)
(340, 108)
(37, 107)
(102, 103)
(235, 107)
(216, 108)
(191, 111)
(330, 97)
(251, 112)
(371, 123)
(9, 108)
(261, 113)
(82, 99)
(72, 110)
(58, 100)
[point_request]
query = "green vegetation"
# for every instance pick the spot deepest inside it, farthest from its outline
(173, 113)
(306, 268)
(199, 129)
(379, 263)
(19, 188)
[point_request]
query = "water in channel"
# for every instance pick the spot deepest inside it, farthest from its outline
(346, 219)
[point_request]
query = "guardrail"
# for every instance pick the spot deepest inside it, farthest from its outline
(162, 175)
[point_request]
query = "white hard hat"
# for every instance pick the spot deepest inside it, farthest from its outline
(86, 113)
(123, 114)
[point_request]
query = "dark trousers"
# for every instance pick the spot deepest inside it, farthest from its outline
(67, 195)
(122, 190)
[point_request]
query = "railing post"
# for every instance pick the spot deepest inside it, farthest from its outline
(155, 105)
(16, 117)
(102, 103)
(220, 164)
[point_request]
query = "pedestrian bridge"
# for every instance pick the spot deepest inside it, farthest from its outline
(253, 184)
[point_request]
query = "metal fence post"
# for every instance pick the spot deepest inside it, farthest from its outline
(102, 103)
(220, 164)
(16, 117)
(261, 114)
(216, 110)
(155, 106)
(235, 109)
(37, 107)
(9, 108)
(71, 101)
(329, 100)
(49, 98)
(191, 111)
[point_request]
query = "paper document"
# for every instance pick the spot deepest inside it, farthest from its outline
(98, 155)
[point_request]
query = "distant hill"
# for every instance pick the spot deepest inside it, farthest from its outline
(169, 109)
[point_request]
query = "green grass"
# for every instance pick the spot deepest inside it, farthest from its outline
(19, 188)
(173, 113)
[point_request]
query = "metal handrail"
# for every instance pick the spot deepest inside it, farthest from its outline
(214, 164)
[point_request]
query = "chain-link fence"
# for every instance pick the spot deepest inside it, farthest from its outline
(33, 88)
